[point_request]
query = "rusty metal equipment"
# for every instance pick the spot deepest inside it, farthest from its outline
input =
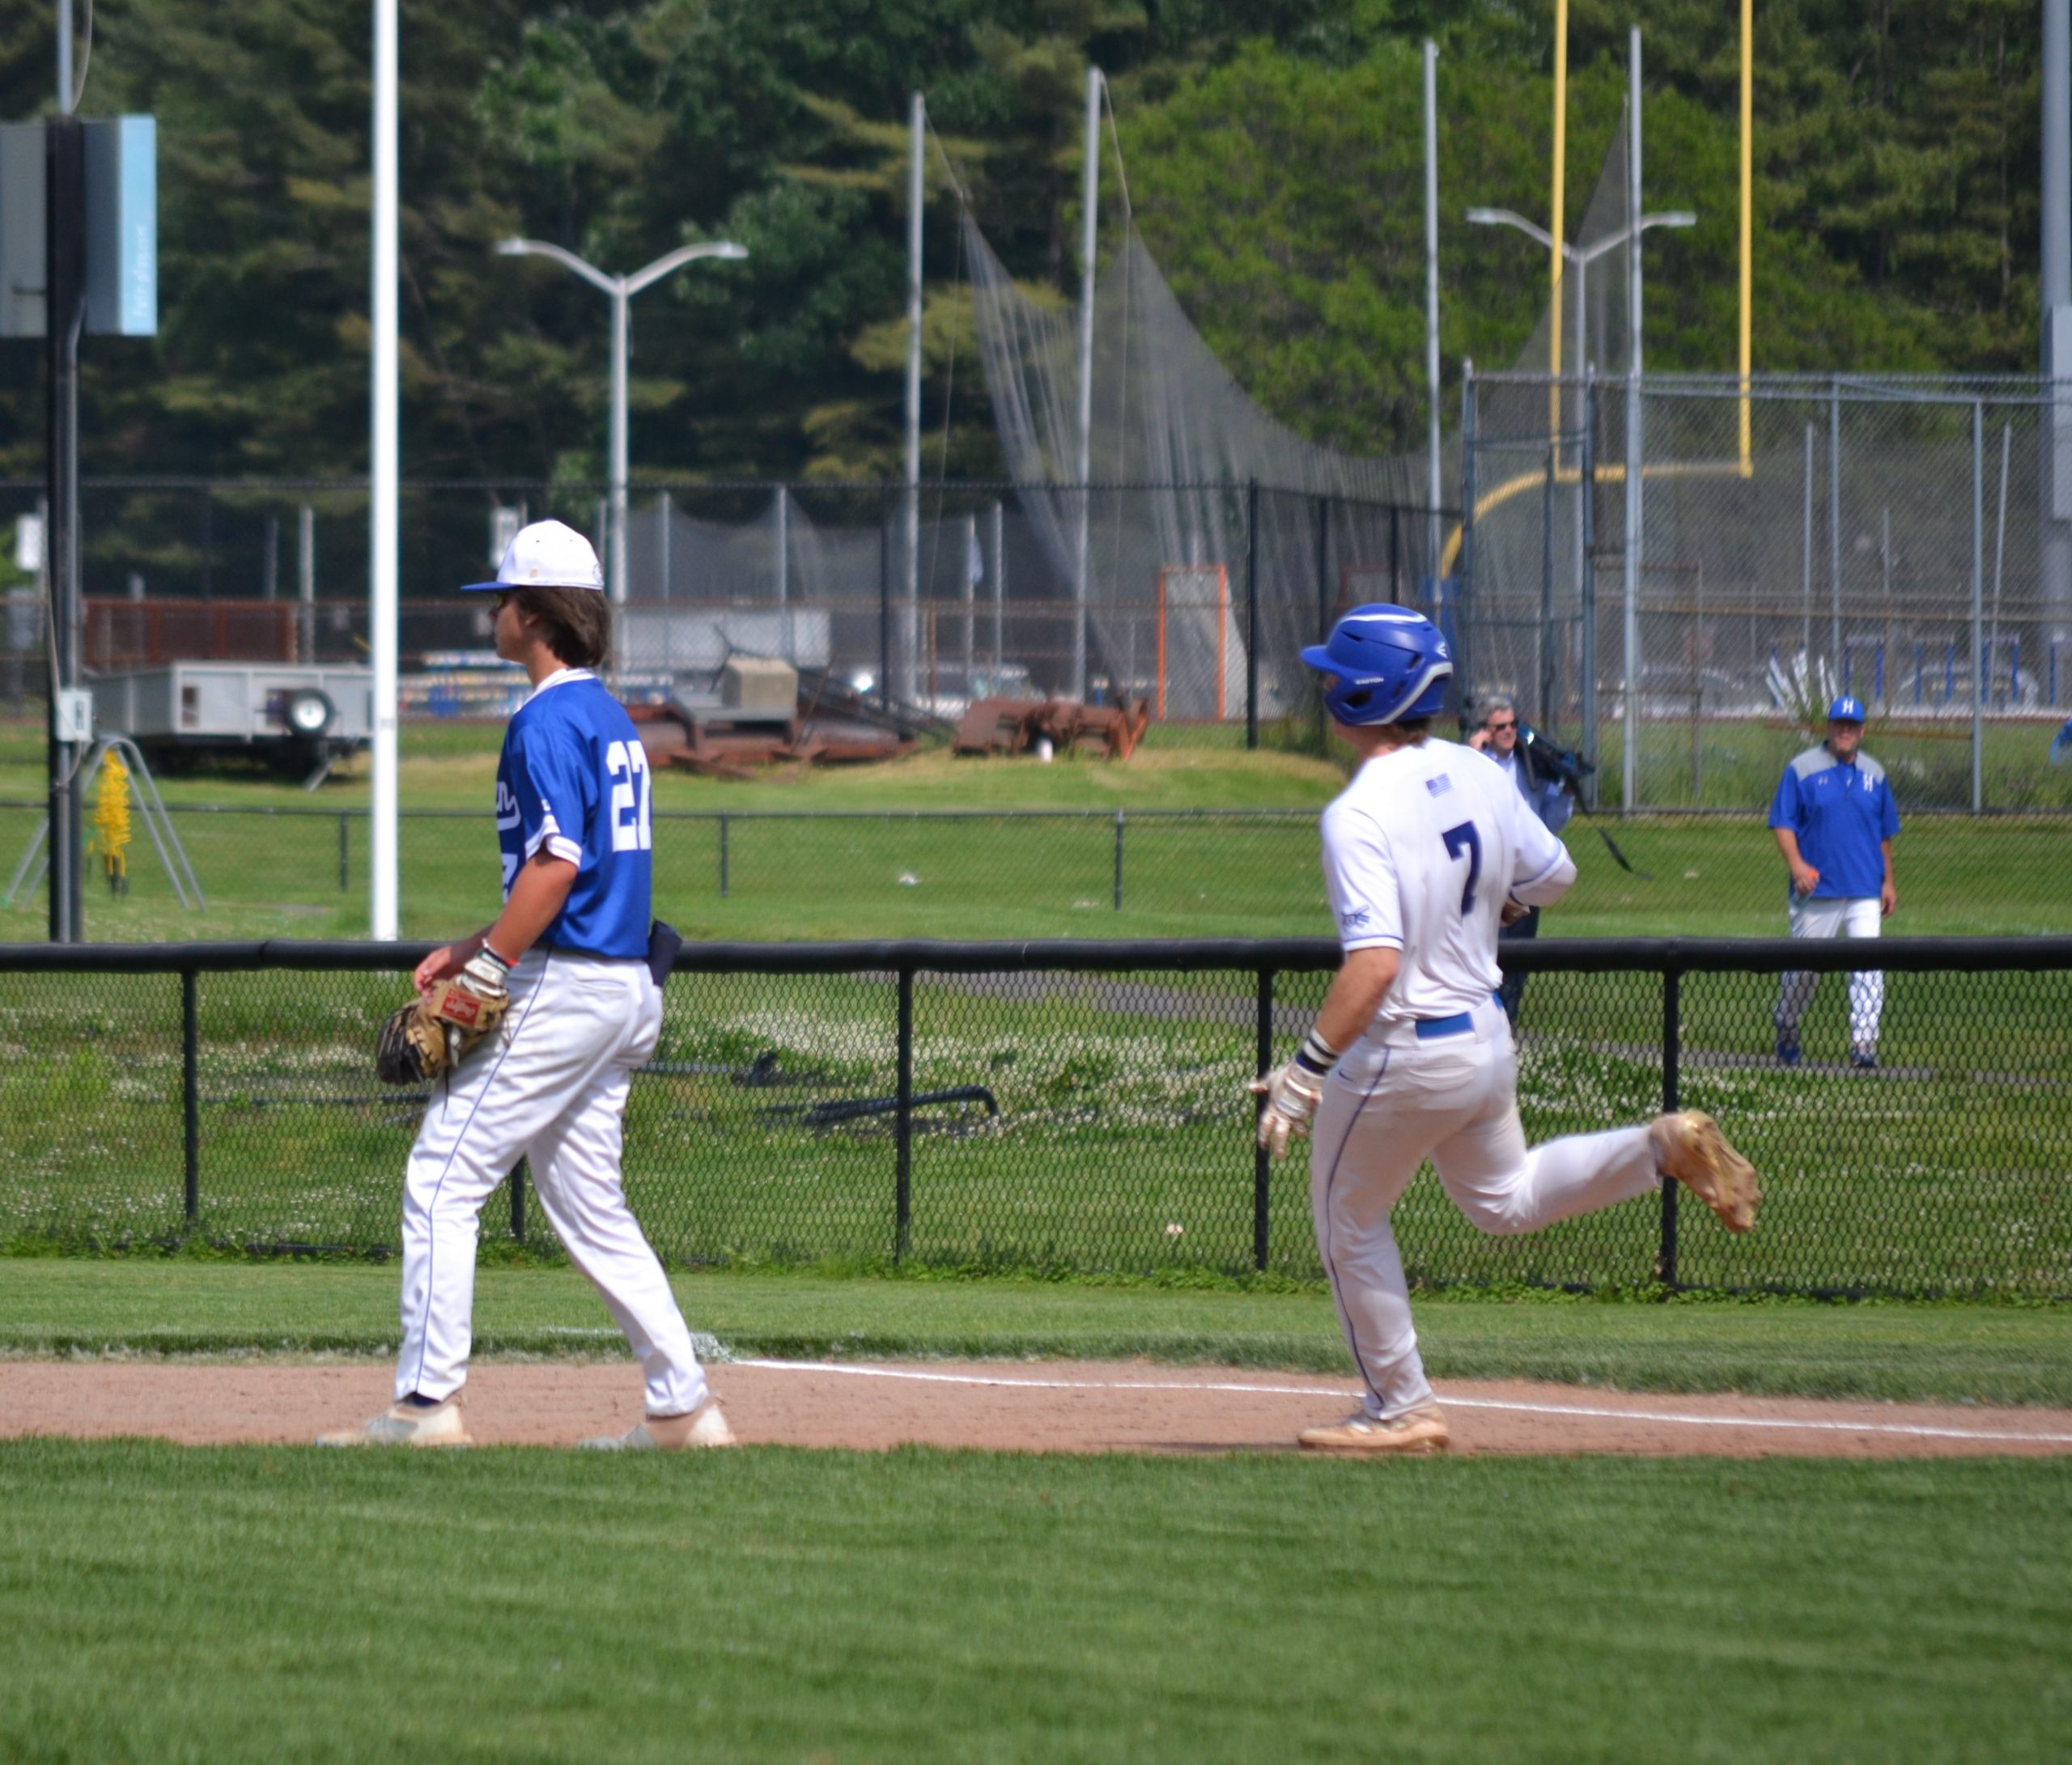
(822, 721)
(1013, 726)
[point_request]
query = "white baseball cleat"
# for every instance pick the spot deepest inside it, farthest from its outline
(404, 1424)
(705, 1426)
(1422, 1430)
(1690, 1148)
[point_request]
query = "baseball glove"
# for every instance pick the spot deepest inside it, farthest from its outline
(422, 1039)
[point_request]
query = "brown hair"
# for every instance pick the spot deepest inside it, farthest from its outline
(576, 623)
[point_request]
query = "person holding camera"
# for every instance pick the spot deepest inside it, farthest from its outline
(1545, 789)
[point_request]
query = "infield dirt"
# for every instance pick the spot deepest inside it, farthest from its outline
(1058, 1406)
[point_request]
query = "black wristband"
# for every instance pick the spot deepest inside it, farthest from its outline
(1316, 1055)
(502, 962)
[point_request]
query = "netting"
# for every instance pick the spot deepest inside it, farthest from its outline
(1166, 416)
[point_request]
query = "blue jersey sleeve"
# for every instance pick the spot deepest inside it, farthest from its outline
(554, 787)
(1889, 822)
(1786, 810)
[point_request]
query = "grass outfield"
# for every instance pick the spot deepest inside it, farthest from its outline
(1941, 1353)
(768, 1604)
(279, 876)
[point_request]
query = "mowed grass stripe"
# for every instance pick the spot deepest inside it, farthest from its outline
(1945, 1353)
(920, 1605)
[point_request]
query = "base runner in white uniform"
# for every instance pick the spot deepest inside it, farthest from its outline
(572, 948)
(1425, 853)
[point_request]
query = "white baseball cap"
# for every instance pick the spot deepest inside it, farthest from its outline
(547, 554)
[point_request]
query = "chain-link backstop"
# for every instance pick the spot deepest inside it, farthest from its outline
(1796, 539)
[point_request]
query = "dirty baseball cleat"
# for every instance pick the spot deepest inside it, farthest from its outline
(705, 1426)
(1863, 1057)
(1422, 1430)
(407, 1425)
(1690, 1148)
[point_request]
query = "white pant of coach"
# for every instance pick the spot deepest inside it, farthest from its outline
(551, 1088)
(1856, 917)
(1397, 1099)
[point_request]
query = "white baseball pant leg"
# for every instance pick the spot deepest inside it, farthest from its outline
(1855, 917)
(576, 1030)
(578, 1175)
(1386, 1108)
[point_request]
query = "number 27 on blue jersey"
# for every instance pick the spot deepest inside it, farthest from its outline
(625, 765)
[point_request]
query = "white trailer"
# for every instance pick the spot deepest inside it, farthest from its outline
(303, 718)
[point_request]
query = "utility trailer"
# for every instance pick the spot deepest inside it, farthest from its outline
(303, 718)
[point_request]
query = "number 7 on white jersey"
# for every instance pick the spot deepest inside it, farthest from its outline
(627, 766)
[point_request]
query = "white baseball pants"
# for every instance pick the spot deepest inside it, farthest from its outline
(1388, 1106)
(551, 1086)
(1856, 917)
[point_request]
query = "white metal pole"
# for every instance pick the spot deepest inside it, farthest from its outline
(1835, 524)
(910, 624)
(306, 585)
(384, 522)
(665, 566)
(1978, 605)
(1579, 368)
(971, 600)
(1806, 560)
(1432, 314)
(64, 57)
(784, 568)
(1999, 549)
(621, 345)
(2054, 466)
(1089, 242)
(1000, 581)
(1630, 628)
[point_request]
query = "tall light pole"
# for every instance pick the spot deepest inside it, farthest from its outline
(621, 290)
(384, 467)
(1580, 258)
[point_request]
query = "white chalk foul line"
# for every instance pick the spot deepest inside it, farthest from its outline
(1912, 1431)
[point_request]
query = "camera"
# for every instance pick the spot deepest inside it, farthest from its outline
(1543, 759)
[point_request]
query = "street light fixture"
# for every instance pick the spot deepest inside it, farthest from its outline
(621, 290)
(1580, 256)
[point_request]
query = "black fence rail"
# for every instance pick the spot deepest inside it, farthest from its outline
(1070, 1104)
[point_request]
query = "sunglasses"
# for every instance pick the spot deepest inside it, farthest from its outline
(1497, 729)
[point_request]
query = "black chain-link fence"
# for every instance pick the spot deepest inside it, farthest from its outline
(1071, 1105)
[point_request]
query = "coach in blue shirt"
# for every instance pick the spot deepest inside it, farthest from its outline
(1835, 822)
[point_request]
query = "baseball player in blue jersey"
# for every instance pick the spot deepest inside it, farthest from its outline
(1425, 853)
(1835, 822)
(571, 949)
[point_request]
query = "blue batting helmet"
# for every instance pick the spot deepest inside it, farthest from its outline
(1382, 664)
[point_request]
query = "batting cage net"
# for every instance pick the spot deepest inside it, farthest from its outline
(1069, 1106)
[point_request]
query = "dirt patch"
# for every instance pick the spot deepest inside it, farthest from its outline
(1057, 1406)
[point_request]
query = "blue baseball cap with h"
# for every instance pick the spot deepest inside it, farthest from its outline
(1845, 710)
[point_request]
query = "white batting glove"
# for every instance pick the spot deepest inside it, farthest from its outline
(483, 974)
(1292, 1096)
(1292, 1092)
